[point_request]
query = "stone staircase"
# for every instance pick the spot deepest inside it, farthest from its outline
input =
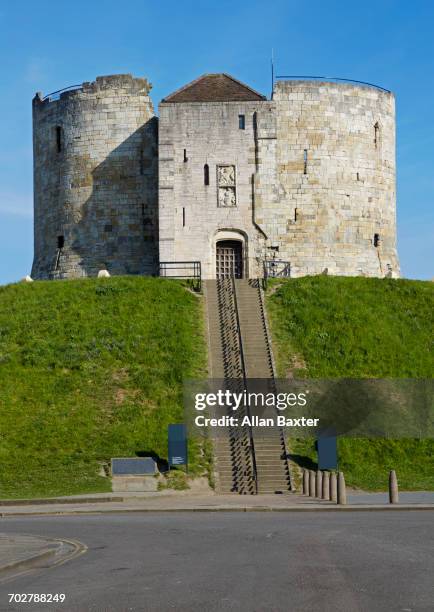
(234, 458)
(240, 349)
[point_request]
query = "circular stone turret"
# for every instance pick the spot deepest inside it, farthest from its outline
(335, 160)
(95, 180)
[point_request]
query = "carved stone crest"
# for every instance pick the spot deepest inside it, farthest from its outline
(226, 186)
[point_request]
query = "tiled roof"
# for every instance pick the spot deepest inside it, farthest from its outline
(214, 88)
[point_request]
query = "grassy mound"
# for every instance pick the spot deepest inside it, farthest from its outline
(89, 370)
(329, 327)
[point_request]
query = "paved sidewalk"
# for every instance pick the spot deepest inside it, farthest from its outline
(176, 501)
(405, 497)
(20, 553)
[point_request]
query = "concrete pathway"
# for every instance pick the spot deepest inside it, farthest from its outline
(405, 497)
(184, 501)
(20, 553)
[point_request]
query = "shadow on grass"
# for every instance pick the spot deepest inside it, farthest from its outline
(162, 464)
(303, 461)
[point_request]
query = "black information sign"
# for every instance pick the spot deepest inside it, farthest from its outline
(133, 466)
(327, 453)
(177, 445)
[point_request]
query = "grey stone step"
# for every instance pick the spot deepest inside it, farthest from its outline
(233, 457)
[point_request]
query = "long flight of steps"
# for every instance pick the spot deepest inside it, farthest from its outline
(245, 463)
(234, 459)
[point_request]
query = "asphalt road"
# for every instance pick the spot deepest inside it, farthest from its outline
(364, 561)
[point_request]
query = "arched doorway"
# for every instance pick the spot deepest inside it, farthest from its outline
(229, 258)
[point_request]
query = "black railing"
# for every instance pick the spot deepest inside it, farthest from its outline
(183, 269)
(243, 367)
(332, 79)
(276, 268)
(273, 379)
(56, 94)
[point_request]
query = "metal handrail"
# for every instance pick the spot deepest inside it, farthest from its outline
(59, 91)
(338, 79)
(273, 376)
(285, 273)
(170, 266)
(243, 367)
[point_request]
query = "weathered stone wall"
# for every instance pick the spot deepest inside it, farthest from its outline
(309, 180)
(314, 180)
(325, 184)
(194, 216)
(99, 191)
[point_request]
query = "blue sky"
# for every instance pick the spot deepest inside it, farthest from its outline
(46, 45)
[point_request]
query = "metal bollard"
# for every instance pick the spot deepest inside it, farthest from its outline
(318, 484)
(311, 483)
(305, 482)
(342, 493)
(333, 488)
(326, 485)
(393, 488)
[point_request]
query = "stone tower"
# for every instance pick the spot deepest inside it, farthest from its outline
(95, 180)
(324, 189)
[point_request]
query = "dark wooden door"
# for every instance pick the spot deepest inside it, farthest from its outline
(229, 259)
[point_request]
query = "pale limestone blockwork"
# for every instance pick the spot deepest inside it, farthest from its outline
(193, 216)
(335, 162)
(307, 177)
(95, 180)
(315, 173)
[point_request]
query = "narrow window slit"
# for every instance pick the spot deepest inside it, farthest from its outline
(185, 155)
(242, 122)
(376, 135)
(183, 217)
(305, 161)
(206, 174)
(58, 138)
(376, 240)
(60, 245)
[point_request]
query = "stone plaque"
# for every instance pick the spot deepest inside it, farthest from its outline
(226, 186)
(134, 466)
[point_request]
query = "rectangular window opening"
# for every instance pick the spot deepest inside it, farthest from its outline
(58, 138)
(376, 240)
(185, 155)
(305, 161)
(60, 242)
(295, 214)
(242, 122)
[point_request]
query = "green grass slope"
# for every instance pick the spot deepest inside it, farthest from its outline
(329, 327)
(91, 369)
